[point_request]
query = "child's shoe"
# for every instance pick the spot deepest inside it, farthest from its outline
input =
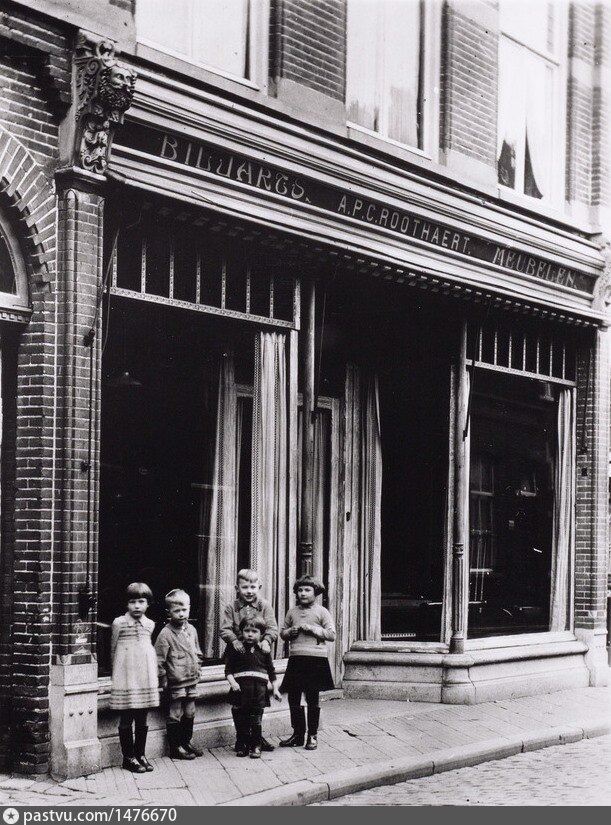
(130, 763)
(242, 749)
(255, 752)
(177, 749)
(299, 726)
(313, 720)
(140, 746)
(187, 731)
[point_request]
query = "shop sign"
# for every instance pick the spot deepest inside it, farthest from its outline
(300, 189)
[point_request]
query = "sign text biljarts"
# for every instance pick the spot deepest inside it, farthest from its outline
(299, 189)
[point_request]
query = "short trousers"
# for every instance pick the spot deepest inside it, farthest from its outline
(188, 692)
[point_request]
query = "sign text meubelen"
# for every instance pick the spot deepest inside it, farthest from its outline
(300, 189)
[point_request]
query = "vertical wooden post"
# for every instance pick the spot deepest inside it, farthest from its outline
(306, 528)
(460, 545)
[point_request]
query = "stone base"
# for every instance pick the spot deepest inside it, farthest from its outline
(597, 657)
(391, 671)
(73, 693)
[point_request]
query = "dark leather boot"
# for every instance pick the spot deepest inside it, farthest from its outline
(313, 719)
(187, 734)
(266, 746)
(140, 747)
(255, 741)
(130, 763)
(298, 724)
(177, 750)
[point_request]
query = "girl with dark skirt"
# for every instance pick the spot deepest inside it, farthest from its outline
(307, 627)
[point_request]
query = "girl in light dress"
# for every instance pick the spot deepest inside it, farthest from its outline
(135, 686)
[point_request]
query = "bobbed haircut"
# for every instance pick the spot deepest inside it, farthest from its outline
(246, 574)
(139, 590)
(255, 621)
(176, 595)
(309, 581)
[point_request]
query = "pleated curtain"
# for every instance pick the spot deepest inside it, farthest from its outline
(217, 554)
(370, 590)
(269, 468)
(563, 537)
(362, 531)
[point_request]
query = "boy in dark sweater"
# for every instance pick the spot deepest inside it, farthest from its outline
(248, 672)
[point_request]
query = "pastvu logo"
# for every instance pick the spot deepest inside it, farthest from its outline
(10, 816)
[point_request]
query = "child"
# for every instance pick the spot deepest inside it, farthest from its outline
(135, 688)
(179, 659)
(309, 627)
(247, 672)
(248, 604)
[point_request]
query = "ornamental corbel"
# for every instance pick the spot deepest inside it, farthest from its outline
(104, 92)
(602, 290)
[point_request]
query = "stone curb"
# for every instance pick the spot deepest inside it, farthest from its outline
(340, 783)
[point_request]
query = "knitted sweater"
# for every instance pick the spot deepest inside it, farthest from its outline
(252, 663)
(238, 610)
(318, 629)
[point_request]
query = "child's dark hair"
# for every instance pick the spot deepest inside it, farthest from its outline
(139, 590)
(255, 621)
(309, 581)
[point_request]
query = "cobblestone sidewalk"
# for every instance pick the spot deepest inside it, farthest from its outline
(356, 733)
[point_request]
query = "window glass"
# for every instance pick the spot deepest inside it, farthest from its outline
(529, 128)
(384, 68)
(511, 506)
(222, 35)
(168, 25)
(219, 34)
(530, 23)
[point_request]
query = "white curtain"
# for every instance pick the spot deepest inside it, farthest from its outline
(269, 468)
(564, 484)
(370, 590)
(218, 538)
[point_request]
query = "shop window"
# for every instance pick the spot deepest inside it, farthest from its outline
(389, 70)
(194, 462)
(520, 506)
(531, 98)
(225, 36)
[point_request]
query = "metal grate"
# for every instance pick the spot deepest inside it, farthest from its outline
(531, 353)
(168, 261)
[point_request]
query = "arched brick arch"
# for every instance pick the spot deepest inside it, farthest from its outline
(24, 187)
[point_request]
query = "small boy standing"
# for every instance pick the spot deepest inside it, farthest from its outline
(248, 672)
(248, 604)
(179, 660)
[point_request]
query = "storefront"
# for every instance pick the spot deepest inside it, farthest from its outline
(417, 370)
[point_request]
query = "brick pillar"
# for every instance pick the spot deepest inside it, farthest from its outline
(73, 689)
(591, 541)
(469, 90)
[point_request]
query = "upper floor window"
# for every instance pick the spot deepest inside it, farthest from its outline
(226, 36)
(530, 142)
(390, 69)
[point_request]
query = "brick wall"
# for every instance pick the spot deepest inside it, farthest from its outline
(579, 120)
(34, 88)
(601, 121)
(468, 83)
(591, 539)
(308, 44)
